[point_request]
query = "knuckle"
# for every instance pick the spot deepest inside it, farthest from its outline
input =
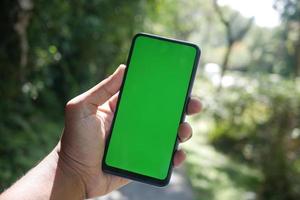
(70, 105)
(74, 104)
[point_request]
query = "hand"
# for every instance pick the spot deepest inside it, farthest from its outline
(73, 169)
(88, 119)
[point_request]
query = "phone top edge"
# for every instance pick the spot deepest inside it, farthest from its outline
(198, 49)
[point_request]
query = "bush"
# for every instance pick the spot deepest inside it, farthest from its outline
(258, 122)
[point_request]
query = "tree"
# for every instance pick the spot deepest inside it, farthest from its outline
(234, 33)
(290, 15)
(49, 53)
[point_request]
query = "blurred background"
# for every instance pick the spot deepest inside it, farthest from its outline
(246, 142)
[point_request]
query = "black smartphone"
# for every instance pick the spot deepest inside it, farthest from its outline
(152, 102)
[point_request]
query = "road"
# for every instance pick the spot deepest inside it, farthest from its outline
(178, 189)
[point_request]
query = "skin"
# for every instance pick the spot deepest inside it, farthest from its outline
(73, 169)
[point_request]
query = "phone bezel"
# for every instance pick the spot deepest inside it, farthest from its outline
(132, 175)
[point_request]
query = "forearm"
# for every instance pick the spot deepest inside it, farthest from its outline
(50, 179)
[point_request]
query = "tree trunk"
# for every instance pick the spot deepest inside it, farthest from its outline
(225, 62)
(24, 15)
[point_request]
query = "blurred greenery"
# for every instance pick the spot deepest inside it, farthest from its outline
(255, 123)
(247, 140)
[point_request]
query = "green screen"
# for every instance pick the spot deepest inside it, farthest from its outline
(150, 107)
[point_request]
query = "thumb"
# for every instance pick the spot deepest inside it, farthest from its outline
(104, 90)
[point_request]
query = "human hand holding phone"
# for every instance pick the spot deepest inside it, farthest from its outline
(73, 169)
(88, 120)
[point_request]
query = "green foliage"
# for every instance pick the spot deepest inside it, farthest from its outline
(71, 47)
(249, 148)
(25, 139)
(258, 123)
(216, 176)
(290, 35)
(79, 42)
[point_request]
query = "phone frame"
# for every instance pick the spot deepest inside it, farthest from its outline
(132, 175)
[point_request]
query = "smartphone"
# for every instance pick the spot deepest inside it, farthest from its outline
(151, 105)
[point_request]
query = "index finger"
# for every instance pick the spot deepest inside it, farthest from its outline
(194, 106)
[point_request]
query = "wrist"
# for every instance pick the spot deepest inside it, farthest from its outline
(68, 183)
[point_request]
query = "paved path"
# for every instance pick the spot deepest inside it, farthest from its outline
(178, 189)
